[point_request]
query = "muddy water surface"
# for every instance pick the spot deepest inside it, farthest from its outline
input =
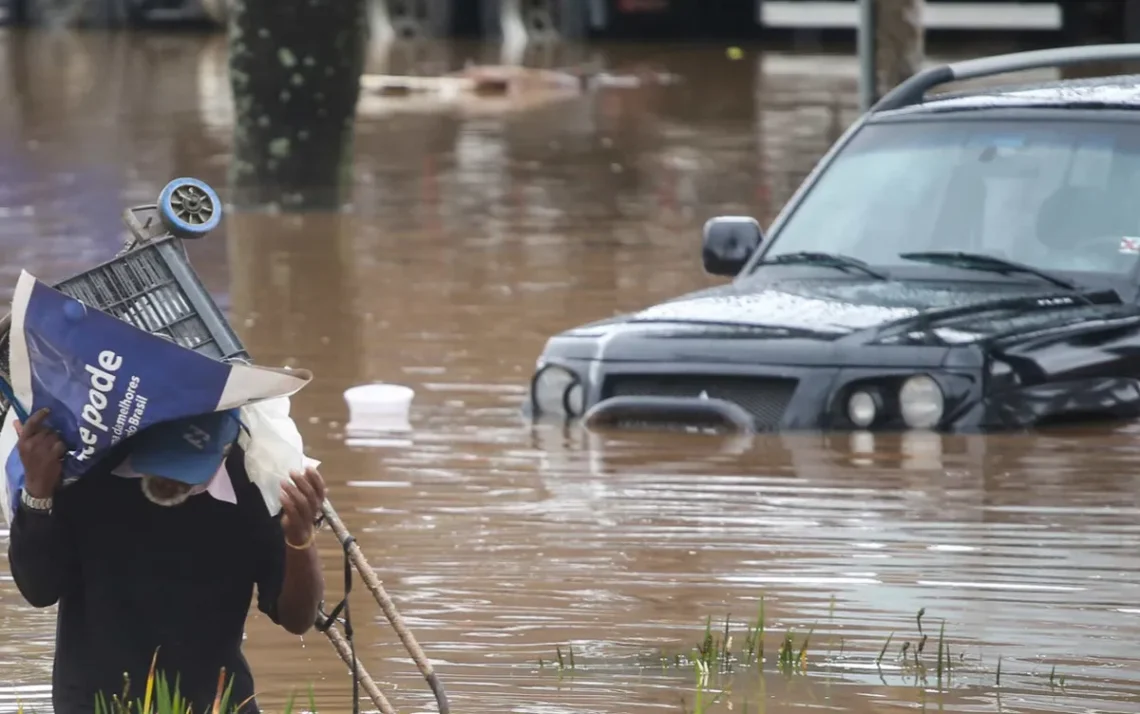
(474, 234)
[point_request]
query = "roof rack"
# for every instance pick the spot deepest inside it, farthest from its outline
(913, 90)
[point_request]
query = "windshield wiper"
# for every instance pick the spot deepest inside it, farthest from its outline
(981, 261)
(833, 260)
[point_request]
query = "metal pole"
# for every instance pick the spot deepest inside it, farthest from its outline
(868, 48)
(513, 32)
(597, 12)
(381, 32)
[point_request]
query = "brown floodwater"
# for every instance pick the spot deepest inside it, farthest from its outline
(476, 231)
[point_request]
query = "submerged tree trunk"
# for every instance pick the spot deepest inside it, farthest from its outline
(295, 70)
(900, 46)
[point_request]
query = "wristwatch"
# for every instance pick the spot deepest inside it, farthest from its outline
(42, 505)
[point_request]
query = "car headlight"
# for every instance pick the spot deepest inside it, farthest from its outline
(921, 402)
(556, 391)
(862, 408)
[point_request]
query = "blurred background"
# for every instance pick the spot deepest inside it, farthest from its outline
(383, 225)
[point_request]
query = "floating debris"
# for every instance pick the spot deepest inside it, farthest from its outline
(493, 88)
(376, 413)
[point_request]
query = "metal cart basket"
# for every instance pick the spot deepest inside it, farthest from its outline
(150, 283)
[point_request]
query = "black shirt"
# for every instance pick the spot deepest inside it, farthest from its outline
(131, 577)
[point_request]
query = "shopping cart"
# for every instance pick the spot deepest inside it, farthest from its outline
(150, 282)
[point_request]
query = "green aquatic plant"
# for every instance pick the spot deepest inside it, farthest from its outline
(754, 639)
(159, 697)
(923, 659)
(1055, 680)
(564, 662)
(716, 649)
(703, 696)
(883, 652)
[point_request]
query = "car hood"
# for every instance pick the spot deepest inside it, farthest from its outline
(950, 313)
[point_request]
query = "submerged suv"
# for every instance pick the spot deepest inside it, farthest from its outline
(958, 262)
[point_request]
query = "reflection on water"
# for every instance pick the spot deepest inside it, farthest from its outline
(471, 239)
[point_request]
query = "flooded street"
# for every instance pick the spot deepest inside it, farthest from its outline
(476, 233)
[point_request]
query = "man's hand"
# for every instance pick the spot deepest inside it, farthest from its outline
(41, 452)
(302, 498)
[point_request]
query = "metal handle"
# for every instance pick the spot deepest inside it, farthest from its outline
(141, 232)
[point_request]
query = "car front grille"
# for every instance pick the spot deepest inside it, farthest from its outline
(765, 398)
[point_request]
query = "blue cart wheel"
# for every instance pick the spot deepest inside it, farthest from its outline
(189, 208)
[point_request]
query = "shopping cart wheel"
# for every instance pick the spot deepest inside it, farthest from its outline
(189, 208)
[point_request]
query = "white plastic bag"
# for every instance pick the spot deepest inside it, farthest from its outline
(273, 448)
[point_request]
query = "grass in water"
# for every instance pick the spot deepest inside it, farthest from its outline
(160, 698)
(922, 659)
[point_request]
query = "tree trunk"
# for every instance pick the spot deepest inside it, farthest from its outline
(295, 75)
(900, 45)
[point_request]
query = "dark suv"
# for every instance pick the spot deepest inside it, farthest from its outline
(957, 262)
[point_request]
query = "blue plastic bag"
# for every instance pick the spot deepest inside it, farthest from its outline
(104, 380)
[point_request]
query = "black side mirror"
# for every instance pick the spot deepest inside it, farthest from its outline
(728, 243)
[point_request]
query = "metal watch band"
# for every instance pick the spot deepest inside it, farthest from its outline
(36, 504)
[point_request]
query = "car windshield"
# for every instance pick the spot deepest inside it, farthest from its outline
(1056, 195)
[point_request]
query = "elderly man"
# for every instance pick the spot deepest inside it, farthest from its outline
(159, 548)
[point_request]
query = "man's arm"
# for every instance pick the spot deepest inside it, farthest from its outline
(40, 552)
(41, 555)
(291, 585)
(302, 589)
(302, 496)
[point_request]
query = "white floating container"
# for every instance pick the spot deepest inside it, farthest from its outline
(378, 408)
